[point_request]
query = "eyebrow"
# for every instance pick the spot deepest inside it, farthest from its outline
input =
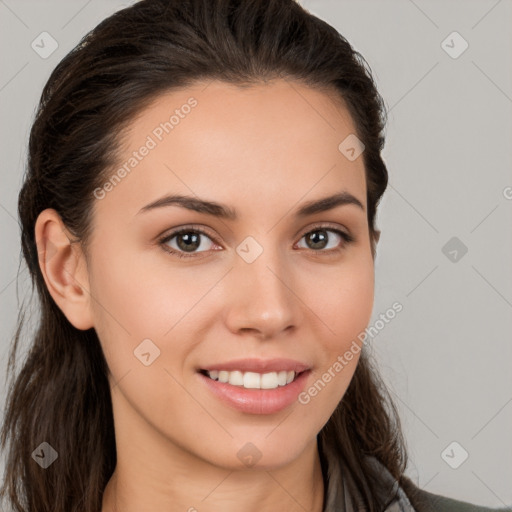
(225, 212)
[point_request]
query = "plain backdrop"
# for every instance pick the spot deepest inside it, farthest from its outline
(446, 247)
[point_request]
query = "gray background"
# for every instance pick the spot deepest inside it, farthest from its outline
(446, 357)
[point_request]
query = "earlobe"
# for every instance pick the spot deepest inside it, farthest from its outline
(64, 269)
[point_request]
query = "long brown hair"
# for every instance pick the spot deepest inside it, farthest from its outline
(61, 394)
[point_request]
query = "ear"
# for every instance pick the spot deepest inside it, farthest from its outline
(64, 269)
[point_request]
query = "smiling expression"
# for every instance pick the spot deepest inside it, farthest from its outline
(263, 269)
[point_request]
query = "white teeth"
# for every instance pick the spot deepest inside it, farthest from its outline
(269, 381)
(236, 378)
(281, 378)
(223, 376)
(253, 380)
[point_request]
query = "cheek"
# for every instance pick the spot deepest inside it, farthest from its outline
(129, 306)
(354, 307)
(136, 320)
(133, 297)
(136, 302)
(344, 303)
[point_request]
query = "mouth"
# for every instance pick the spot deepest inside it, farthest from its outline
(256, 386)
(253, 380)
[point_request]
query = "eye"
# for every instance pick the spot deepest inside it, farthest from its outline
(188, 241)
(318, 239)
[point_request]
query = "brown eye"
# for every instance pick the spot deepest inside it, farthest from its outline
(319, 239)
(188, 240)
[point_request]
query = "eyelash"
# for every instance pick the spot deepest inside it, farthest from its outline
(348, 239)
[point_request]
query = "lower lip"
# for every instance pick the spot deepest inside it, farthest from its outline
(257, 401)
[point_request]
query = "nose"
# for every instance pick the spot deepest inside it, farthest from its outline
(262, 299)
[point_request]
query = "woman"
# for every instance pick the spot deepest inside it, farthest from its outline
(199, 219)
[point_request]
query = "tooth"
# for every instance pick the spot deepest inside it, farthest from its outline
(252, 380)
(281, 378)
(236, 378)
(269, 380)
(223, 376)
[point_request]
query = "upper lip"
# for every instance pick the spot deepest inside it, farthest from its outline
(259, 365)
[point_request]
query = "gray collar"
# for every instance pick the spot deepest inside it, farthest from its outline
(339, 496)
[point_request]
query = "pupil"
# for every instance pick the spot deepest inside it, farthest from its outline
(191, 241)
(318, 240)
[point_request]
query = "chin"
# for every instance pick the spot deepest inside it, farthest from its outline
(263, 451)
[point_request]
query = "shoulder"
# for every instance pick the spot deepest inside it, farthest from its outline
(424, 501)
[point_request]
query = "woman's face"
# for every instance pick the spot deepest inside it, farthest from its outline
(267, 289)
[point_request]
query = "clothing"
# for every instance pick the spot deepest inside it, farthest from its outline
(405, 498)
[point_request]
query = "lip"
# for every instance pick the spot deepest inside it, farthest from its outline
(257, 401)
(260, 365)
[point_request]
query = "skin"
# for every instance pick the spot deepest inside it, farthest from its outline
(264, 151)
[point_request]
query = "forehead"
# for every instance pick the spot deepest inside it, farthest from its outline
(269, 141)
